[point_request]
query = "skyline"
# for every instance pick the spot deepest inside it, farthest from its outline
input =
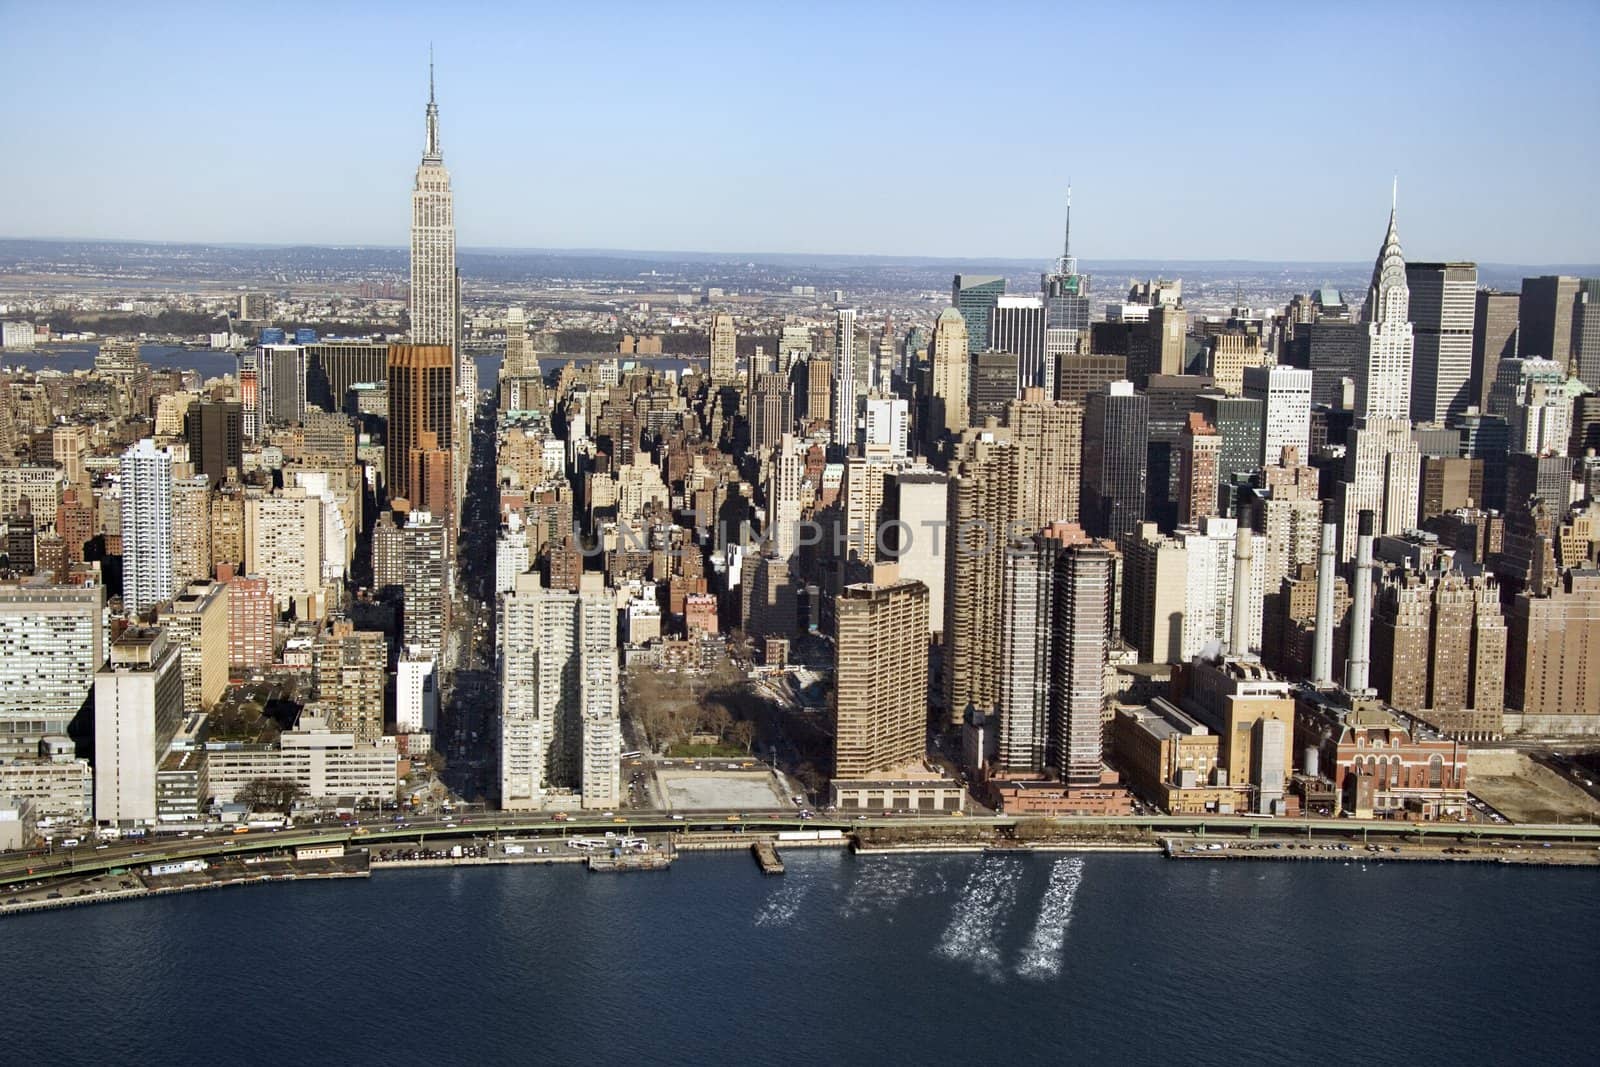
(750, 176)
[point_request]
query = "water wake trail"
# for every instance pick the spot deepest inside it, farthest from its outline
(1042, 958)
(973, 936)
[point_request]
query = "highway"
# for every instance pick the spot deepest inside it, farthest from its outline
(87, 859)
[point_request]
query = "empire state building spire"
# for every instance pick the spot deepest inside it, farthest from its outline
(433, 241)
(432, 151)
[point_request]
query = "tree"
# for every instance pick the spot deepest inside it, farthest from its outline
(270, 794)
(743, 733)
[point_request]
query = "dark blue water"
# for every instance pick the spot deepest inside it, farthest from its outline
(859, 960)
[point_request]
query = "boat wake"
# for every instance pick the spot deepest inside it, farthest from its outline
(883, 882)
(782, 907)
(973, 936)
(1042, 958)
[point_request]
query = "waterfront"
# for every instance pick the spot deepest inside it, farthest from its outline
(947, 959)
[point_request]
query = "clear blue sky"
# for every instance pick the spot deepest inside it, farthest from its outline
(1188, 130)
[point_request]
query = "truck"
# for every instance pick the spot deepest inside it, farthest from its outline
(177, 867)
(514, 850)
(455, 852)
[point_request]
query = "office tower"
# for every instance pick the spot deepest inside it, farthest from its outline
(281, 381)
(983, 500)
(1585, 365)
(1494, 337)
(1241, 421)
(1382, 474)
(254, 307)
(433, 303)
(1439, 648)
(1048, 435)
(915, 509)
(974, 296)
(819, 392)
(197, 623)
(771, 412)
(146, 488)
(559, 726)
(1442, 305)
(1285, 395)
(191, 530)
(1154, 593)
(1017, 325)
(845, 386)
(425, 579)
(1540, 422)
(1553, 657)
(1115, 429)
(1331, 350)
(54, 639)
(994, 385)
(252, 612)
(1172, 397)
(787, 494)
(1514, 378)
(1383, 378)
(881, 687)
(283, 544)
(1164, 337)
(421, 420)
(1231, 355)
(348, 674)
(138, 706)
(215, 432)
(1066, 304)
(724, 350)
(1547, 478)
(335, 368)
(1544, 315)
(1448, 484)
(1079, 375)
(1199, 460)
(885, 433)
(515, 362)
(952, 360)
(1488, 437)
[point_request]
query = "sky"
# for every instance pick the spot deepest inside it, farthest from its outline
(1188, 131)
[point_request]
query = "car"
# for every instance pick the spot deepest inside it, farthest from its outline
(677, 818)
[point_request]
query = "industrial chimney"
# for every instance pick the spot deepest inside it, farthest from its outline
(1239, 640)
(1361, 609)
(1322, 637)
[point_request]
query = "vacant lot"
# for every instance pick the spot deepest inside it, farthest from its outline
(1524, 791)
(728, 791)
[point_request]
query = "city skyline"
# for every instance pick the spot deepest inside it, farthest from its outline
(619, 168)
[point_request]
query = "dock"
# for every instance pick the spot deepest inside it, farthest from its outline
(618, 861)
(766, 854)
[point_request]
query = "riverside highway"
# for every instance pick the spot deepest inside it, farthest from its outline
(88, 859)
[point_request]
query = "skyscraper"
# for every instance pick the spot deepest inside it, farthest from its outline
(845, 387)
(1285, 395)
(994, 385)
(1049, 438)
(1115, 428)
(1494, 337)
(1017, 325)
(433, 242)
(515, 363)
(146, 487)
(421, 416)
(1443, 304)
(215, 432)
(952, 359)
(984, 488)
(975, 295)
(1066, 304)
(1383, 378)
(881, 693)
(1544, 314)
(724, 349)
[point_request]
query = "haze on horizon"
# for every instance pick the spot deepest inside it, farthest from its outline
(929, 130)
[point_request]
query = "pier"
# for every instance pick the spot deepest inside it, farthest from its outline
(767, 858)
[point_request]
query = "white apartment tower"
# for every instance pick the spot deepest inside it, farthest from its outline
(844, 378)
(146, 489)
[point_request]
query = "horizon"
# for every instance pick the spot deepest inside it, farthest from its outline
(685, 133)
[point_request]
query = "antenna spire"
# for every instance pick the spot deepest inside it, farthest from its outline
(1394, 195)
(430, 72)
(432, 150)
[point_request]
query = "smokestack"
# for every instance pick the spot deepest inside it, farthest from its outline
(1239, 642)
(1361, 609)
(1322, 638)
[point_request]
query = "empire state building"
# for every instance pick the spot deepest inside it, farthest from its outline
(433, 243)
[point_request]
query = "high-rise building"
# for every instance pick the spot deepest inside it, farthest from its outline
(281, 378)
(915, 509)
(771, 412)
(881, 691)
(560, 731)
(975, 295)
(53, 640)
(146, 487)
(252, 612)
(845, 386)
(191, 530)
(421, 421)
(1331, 350)
(983, 501)
(348, 672)
(138, 706)
(1544, 315)
(1285, 395)
(994, 385)
(215, 432)
(819, 391)
(1585, 364)
(1494, 337)
(433, 302)
(724, 350)
(1154, 593)
(952, 361)
(885, 431)
(1443, 304)
(1383, 379)
(1115, 429)
(1232, 354)
(1048, 435)
(1210, 606)
(1017, 325)
(1241, 422)
(1439, 649)
(283, 544)
(197, 623)
(1199, 460)
(335, 368)
(1079, 375)
(425, 569)
(515, 362)
(1066, 305)
(1553, 657)
(1382, 474)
